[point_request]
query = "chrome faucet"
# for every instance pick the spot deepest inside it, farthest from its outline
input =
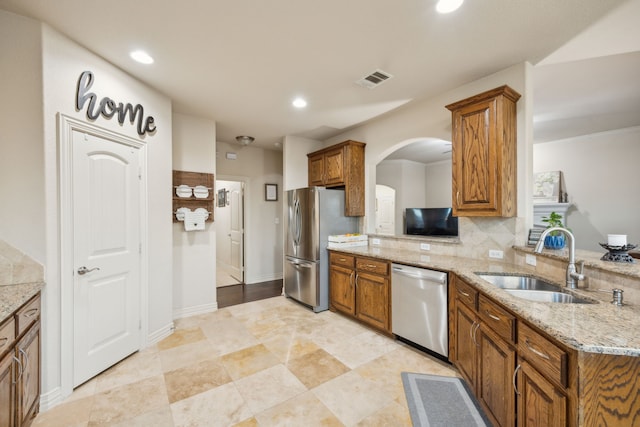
(573, 276)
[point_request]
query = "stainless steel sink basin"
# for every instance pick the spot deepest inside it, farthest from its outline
(532, 288)
(518, 282)
(548, 296)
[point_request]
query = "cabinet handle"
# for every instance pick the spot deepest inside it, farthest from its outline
(515, 374)
(538, 352)
(457, 198)
(463, 293)
(3, 341)
(342, 259)
(356, 281)
(496, 318)
(473, 332)
(26, 358)
(351, 282)
(31, 313)
(371, 266)
(20, 370)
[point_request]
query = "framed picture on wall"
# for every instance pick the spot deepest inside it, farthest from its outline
(222, 198)
(548, 187)
(271, 192)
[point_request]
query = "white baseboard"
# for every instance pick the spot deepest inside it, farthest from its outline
(195, 310)
(160, 334)
(50, 399)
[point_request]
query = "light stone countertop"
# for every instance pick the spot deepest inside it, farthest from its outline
(13, 296)
(596, 328)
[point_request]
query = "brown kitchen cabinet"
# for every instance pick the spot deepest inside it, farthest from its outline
(362, 290)
(20, 366)
(482, 348)
(484, 154)
(342, 286)
(341, 165)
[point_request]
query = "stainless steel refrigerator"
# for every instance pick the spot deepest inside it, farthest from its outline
(312, 215)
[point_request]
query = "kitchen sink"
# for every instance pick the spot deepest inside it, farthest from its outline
(532, 288)
(518, 282)
(548, 296)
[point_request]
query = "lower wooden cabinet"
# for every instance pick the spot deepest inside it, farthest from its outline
(360, 287)
(494, 389)
(465, 343)
(540, 403)
(20, 366)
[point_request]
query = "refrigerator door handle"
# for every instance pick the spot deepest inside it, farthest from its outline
(296, 222)
(300, 264)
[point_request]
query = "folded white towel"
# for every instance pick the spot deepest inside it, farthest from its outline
(194, 220)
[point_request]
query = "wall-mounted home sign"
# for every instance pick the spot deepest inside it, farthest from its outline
(108, 108)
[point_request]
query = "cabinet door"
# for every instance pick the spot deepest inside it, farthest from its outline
(540, 403)
(28, 386)
(465, 343)
(7, 390)
(334, 167)
(497, 361)
(316, 170)
(341, 285)
(372, 300)
(474, 158)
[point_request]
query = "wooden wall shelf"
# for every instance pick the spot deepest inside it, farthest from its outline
(192, 179)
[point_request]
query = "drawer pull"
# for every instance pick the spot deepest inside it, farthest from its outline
(31, 313)
(537, 352)
(463, 293)
(371, 266)
(342, 259)
(496, 318)
(3, 341)
(515, 375)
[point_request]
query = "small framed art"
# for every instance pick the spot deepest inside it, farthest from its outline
(271, 192)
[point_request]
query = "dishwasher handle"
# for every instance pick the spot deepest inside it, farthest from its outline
(421, 274)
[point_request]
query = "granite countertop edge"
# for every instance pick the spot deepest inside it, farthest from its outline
(15, 295)
(591, 328)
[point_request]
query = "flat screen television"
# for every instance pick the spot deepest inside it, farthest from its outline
(430, 222)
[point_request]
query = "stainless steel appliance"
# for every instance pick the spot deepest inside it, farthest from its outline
(312, 215)
(419, 307)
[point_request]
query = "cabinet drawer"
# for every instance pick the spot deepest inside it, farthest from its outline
(501, 321)
(342, 259)
(466, 294)
(7, 335)
(547, 357)
(372, 266)
(28, 314)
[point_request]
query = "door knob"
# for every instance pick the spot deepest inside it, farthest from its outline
(84, 270)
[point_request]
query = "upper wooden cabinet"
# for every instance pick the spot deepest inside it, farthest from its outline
(484, 154)
(341, 165)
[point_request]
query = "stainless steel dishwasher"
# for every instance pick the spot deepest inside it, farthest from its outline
(419, 307)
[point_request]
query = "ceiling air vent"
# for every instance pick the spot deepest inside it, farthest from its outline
(374, 79)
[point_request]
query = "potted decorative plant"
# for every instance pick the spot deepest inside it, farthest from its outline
(555, 239)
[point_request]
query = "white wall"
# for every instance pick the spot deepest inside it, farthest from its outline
(194, 252)
(601, 176)
(263, 220)
(22, 214)
(60, 62)
(294, 151)
(429, 118)
(438, 191)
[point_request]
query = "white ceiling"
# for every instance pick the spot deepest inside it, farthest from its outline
(241, 62)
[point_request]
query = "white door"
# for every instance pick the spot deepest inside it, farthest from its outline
(106, 238)
(236, 203)
(385, 210)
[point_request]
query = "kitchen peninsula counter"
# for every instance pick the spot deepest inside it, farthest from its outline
(600, 327)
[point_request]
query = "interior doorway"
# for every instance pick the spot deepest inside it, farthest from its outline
(230, 230)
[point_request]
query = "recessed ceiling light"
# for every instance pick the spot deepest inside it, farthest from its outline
(299, 103)
(141, 56)
(446, 6)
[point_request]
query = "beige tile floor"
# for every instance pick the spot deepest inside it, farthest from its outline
(223, 277)
(264, 363)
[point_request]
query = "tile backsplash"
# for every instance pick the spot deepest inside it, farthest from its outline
(16, 267)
